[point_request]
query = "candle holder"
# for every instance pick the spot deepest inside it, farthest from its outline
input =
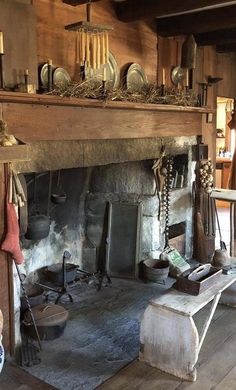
(162, 89)
(104, 93)
(1, 71)
(26, 77)
(204, 93)
(49, 77)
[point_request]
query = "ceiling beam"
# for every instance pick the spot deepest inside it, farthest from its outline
(219, 37)
(132, 10)
(226, 48)
(77, 2)
(198, 22)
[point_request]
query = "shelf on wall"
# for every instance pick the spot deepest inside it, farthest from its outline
(14, 153)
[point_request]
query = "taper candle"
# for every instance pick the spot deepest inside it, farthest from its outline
(163, 76)
(187, 78)
(104, 74)
(1, 43)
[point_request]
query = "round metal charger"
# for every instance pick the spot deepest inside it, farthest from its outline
(112, 73)
(177, 75)
(136, 78)
(61, 77)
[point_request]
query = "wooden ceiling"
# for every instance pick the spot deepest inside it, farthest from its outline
(213, 22)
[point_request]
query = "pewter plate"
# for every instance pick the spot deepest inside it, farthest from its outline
(61, 77)
(135, 78)
(112, 73)
(177, 75)
(44, 74)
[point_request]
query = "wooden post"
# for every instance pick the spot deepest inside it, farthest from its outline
(6, 277)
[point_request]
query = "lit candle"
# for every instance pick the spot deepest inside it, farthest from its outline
(26, 72)
(1, 43)
(163, 76)
(187, 80)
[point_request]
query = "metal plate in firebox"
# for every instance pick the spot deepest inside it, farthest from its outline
(124, 238)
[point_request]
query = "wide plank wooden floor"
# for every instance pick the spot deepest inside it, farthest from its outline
(14, 378)
(216, 367)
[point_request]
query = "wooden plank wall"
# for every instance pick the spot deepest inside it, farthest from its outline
(132, 42)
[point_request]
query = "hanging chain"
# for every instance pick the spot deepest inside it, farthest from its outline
(167, 172)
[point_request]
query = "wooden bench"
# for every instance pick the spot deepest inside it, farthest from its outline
(169, 338)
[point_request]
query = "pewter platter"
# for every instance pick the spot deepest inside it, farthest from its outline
(177, 75)
(135, 78)
(61, 77)
(112, 73)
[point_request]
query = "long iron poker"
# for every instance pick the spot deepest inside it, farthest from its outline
(29, 307)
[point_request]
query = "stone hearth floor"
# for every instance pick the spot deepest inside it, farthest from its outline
(101, 336)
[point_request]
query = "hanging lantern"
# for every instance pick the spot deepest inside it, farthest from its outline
(92, 42)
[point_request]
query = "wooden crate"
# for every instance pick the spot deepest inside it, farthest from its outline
(13, 153)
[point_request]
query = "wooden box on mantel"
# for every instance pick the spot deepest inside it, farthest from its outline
(13, 153)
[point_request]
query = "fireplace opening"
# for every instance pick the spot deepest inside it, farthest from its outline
(82, 222)
(97, 197)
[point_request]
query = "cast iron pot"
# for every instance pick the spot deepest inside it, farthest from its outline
(50, 320)
(54, 273)
(58, 198)
(35, 295)
(38, 227)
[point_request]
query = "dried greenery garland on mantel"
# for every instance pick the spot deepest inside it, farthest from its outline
(150, 93)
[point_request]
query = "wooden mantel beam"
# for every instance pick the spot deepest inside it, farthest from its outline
(198, 22)
(219, 37)
(132, 10)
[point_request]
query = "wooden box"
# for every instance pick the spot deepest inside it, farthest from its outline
(196, 287)
(13, 153)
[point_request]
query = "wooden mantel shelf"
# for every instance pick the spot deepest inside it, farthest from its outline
(34, 117)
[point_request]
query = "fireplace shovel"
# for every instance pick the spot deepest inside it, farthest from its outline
(29, 352)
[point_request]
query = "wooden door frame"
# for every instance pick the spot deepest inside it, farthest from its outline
(6, 276)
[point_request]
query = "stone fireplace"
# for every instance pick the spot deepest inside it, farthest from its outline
(89, 190)
(93, 143)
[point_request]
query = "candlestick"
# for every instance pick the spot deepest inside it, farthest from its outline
(163, 76)
(103, 89)
(162, 89)
(1, 43)
(1, 71)
(49, 75)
